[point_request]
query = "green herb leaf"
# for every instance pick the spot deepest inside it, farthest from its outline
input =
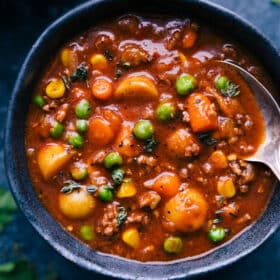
(275, 2)
(108, 55)
(150, 145)
(122, 214)
(65, 81)
(81, 73)
(7, 208)
(206, 139)
(18, 270)
(231, 90)
(118, 74)
(69, 186)
(117, 176)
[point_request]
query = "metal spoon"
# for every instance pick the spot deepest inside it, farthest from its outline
(269, 151)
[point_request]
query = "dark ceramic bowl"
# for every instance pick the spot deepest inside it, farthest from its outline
(70, 24)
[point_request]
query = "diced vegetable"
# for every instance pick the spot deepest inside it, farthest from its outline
(189, 39)
(99, 62)
(39, 101)
(185, 84)
(216, 234)
(173, 244)
(77, 204)
(139, 87)
(76, 140)
(125, 143)
(186, 210)
(52, 158)
(127, 189)
(56, 130)
(112, 160)
(131, 237)
(69, 58)
(102, 88)
(87, 233)
(166, 184)
(165, 111)
(219, 159)
(143, 129)
(81, 126)
(79, 171)
(55, 89)
(100, 132)
(105, 193)
(226, 187)
(203, 115)
(83, 109)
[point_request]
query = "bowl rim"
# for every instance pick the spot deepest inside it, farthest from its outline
(51, 239)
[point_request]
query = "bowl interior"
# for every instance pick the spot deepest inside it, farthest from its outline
(42, 52)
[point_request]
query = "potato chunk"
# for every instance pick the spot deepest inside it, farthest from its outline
(52, 158)
(182, 143)
(77, 204)
(187, 210)
(136, 87)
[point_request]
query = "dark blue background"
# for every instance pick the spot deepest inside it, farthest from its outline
(21, 22)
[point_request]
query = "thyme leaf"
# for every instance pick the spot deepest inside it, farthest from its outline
(206, 139)
(231, 90)
(150, 145)
(69, 186)
(91, 189)
(108, 55)
(65, 81)
(121, 216)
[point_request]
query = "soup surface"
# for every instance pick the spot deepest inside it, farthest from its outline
(136, 134)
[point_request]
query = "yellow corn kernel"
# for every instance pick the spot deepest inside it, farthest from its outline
(99, 62)
(127, 189)
(226, 187)
(65, 57)
(131, 237)
(55, 88)
(219, 159)
(182, 58)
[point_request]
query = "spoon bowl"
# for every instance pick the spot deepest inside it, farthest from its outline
(269, 151)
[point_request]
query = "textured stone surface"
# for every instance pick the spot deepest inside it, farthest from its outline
(20, 24)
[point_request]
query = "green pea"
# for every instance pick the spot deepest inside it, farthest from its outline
(76, 140)
(143, 129)
(82, 126)
(117, 176)
(87, 233)
(165, 112)
(173, 244)
(105, 193)
(56, 130)
(79, 172)
(39, 101)
(216, 234)
(83, 109)
(221, 82)
(113, 159)
(185, 84)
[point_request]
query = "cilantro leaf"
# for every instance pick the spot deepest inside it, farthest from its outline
(150, 145)
(231, 90)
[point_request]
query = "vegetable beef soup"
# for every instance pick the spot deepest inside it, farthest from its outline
(136, 139)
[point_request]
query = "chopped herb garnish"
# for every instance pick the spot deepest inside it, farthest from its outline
(122, 214)
(126, 65)
(81, 73)
(231, 90)
(91, 189)
(108, 55)
(118, 74)
(206, 139)
(218, 220)
(70, 186)
(117, 176)
(220, 211)
(220, 199)
(65, 81)
(7, 208)
(150, 145)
